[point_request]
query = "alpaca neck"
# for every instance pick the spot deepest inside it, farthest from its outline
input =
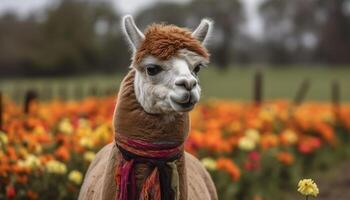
(132, 121)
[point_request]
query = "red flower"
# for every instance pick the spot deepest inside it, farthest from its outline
(254, 156)
(10, 192)
(309, 145)
(253, 162)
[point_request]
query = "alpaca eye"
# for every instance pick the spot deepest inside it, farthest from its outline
(153, 70)
(197, 68)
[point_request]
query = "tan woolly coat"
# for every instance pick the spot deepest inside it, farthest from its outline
(131, 120)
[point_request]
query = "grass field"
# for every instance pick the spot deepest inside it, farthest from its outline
(235, 83)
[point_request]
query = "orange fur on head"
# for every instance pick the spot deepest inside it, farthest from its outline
(164, 41)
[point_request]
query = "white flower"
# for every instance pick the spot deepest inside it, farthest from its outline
(253, 134)
(31, 162)
(247, 144)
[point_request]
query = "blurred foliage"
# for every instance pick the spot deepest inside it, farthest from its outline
(75, 37)
(253, 152)
(307, 31)
(84, 36)
(226, 14)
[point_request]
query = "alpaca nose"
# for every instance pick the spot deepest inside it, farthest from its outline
(187, 83)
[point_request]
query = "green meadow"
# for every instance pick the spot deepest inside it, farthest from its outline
(234, 83)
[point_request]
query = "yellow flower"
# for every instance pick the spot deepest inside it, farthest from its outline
(235, 126)
(290, 136)
(267, 114)
(75, 176)
(247, 144)
(39, 130)
(102, 133)
(65, 126)
(84, 123)
(56, 167)
(38, 149)
(308, 187)
(209, 163)
(3, 138)
(23, 151)
(89, 156)
(253, 134)
(86, 142)
(31, 162)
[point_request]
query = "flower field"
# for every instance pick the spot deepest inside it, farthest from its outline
(253, 152)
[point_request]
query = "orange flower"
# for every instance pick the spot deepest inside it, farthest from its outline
(63, 153)
(285, 158)
(326, 132)
(32, 195)
(12, 153)
(22, 179)
(46, 158)
(229, 166)
(288, 137)
(257, 197)
(268, 141)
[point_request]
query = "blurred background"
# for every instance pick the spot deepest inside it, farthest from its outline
(49, 44)
(275, 105)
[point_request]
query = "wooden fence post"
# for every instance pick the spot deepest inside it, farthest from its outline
(30, 96)
(335, 92)
(93, 91)
(17, 93)
(1, 112)
(62, 92)
(302, 91)
(258, 87)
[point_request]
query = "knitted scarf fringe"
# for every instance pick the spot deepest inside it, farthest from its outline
(158, 185)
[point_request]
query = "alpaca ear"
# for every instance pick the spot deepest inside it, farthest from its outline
(131, 32)
(202, 32)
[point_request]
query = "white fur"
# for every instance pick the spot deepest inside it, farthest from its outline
(159, 93)
(133, 34)
(203, 31)
(162, 93)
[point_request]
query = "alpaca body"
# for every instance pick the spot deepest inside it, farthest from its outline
(99, 181)
(153, 104)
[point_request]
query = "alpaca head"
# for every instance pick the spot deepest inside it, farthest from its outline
(167, 60)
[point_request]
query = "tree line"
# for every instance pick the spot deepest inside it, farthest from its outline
(84, 36)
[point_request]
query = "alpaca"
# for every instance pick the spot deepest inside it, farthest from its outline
(151, 115)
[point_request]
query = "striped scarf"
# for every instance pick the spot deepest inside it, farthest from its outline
(159, 185)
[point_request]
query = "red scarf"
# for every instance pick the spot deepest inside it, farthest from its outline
(159, 185)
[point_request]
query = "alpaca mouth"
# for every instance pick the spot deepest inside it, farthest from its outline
(186, 105)
(182, 106)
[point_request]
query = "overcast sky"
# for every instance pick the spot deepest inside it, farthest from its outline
(24, 7)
